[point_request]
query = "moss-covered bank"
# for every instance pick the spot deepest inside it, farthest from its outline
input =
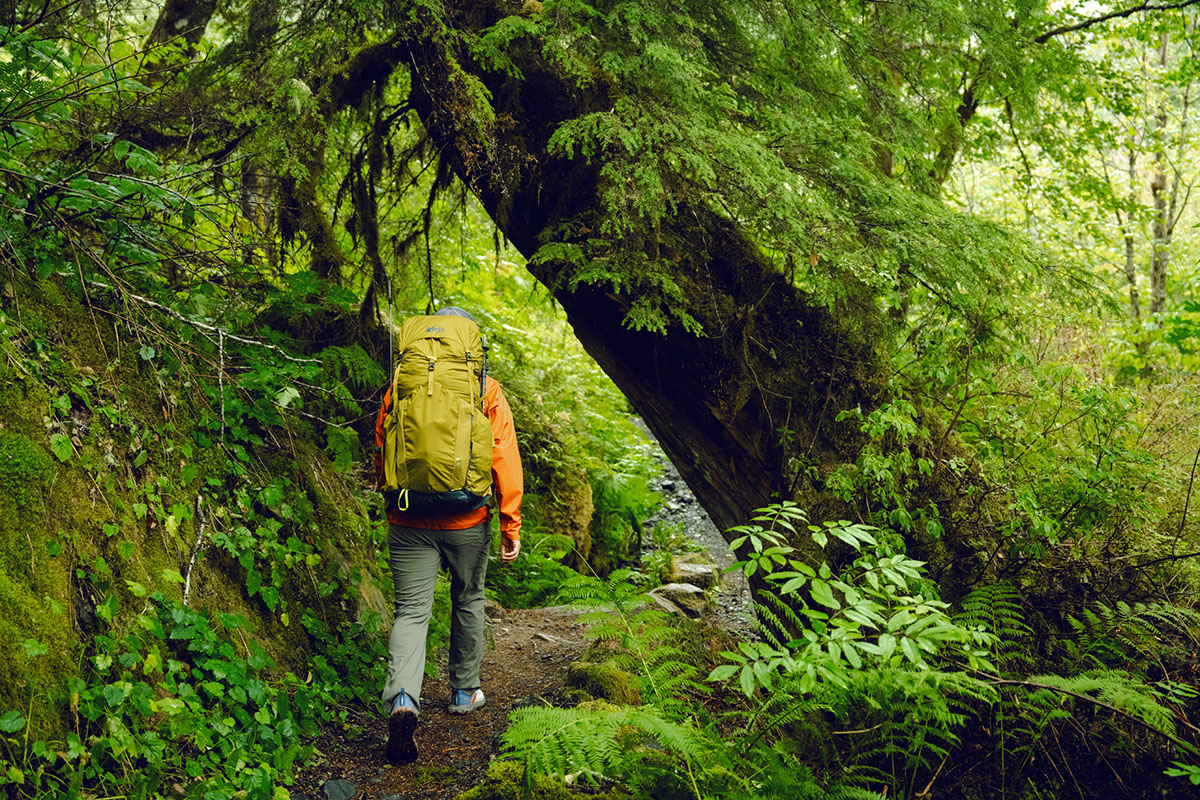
(115, 484)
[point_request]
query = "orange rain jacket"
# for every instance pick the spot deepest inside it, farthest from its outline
(508, 482)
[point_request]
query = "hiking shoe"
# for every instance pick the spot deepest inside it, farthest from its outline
(402, 723)
(465, 700)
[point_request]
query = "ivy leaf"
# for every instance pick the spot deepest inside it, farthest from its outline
(60, 445)
(34, 648)
(12, 722)
(114, 694)
(147, 353)
(287, 396)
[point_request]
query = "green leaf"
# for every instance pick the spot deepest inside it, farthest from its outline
(287, 396)
(793, 585)
(887, 646)
(851, 653)
(60, 445)
(114, 694)
(34, 648)
(147, 353)
(11, 722)
(172, 575)
(747, 680)
(125, 550)
(723, 672)
(823, 594)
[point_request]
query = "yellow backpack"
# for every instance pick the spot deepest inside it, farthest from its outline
(437, 452)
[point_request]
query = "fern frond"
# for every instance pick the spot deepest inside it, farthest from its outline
(596, 743)
(1122, 692)
(352, 365)
(997, 608)
(1116, 635)
(777, 619)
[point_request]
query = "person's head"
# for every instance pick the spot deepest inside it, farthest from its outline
(454, 311)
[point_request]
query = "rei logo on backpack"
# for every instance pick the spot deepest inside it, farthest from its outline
(437, 451)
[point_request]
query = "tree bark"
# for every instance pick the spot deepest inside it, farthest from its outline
(183, 19)
(1135, 307)
(1161, 253)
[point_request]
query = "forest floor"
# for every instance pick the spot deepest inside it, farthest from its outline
(525, 663)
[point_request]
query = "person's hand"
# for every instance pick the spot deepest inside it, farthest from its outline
(509, 549)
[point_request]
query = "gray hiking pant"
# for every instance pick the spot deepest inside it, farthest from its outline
(417, 555)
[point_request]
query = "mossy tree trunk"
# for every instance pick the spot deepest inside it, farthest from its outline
(747, 408)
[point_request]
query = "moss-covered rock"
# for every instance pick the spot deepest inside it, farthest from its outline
(505, 780)
(563, 505)
(585, 680)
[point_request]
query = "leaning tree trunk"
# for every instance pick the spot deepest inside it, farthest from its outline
(745, 410)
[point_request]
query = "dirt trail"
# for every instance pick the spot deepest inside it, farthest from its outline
(526, 665)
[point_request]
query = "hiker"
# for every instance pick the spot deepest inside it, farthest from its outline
(440, 376)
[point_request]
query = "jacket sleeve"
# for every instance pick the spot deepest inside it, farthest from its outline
(507, 476)
(379, 437)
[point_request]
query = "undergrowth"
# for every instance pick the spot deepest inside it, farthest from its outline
(861, 684)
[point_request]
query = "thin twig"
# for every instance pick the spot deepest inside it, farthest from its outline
(1125, 12)
(1186, 502)
(212, 328)
(187, 577)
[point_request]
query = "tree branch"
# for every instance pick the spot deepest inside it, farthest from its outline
(1125, 12)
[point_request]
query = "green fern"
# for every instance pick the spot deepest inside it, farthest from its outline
(1122, 692)
(997, 608)
(598, 744)
(1138, 633)
(352, 365)
(903, 722)
(1035, 704)
(641, 633)
(775, 617)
